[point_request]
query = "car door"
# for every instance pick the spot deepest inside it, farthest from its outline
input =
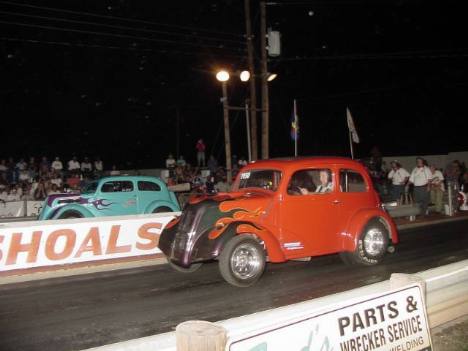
(117, 197)
(148, 192)
(354, 193)
(309, 218)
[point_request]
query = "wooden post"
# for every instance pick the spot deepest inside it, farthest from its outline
(227, 136)
(264, 75)
(253, 91)
(200, 336)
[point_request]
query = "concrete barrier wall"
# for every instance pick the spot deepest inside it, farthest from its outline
(446, 299)
(440, 161)
(28, 245)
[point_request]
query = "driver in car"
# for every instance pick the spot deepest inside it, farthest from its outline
(325, 183)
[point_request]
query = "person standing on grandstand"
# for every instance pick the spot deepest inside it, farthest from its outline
(57, 166)
(74, 166)
(201, 147)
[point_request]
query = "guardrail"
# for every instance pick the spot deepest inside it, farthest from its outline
(446, 299)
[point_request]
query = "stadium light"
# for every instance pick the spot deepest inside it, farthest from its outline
(222, 76)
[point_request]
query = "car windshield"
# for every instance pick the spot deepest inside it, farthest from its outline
(90, 188)
(268, 179)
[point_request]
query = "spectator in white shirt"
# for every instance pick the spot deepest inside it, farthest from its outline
(437, 189)
(57, 165)
(86, 167)
(421, 177)
(399, 177)
(170, 162)
(73, 165)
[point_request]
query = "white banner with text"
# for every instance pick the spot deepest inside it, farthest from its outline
(394, 321)
(49, 243)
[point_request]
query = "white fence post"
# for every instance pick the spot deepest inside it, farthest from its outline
(200, 336)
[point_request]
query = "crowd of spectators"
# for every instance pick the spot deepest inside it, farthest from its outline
(425, 184)
(211, 178)
(36, 179)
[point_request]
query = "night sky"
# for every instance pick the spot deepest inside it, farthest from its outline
(108, 78)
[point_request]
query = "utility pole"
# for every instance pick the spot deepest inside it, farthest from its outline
(252, 85)
(264, 75)
(227, 137)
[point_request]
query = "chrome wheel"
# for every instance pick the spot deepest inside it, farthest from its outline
(374, 242)
(246, 261)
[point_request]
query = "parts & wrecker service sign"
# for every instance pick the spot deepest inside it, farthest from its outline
(394, 321)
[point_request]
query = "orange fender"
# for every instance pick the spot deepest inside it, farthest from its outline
(273, 247)
(359, 221)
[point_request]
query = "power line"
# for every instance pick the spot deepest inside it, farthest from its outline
(120, 18)
(110, 47)
(385, 56)
(112, 35)
(120, 27)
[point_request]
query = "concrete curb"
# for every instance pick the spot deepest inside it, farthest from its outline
(65, 272)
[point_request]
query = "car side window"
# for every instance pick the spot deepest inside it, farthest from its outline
(117, 186)
(148, 186)
(352, 182)
(311, 181)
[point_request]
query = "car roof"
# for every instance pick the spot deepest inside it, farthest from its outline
(295, 162)
(124, 177)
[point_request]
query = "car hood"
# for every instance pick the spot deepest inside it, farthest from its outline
(238, 205)
(236, 198)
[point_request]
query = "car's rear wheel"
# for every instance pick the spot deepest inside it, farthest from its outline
(193, 267)
(162, 209)
(371, 247)
(70, 215)
(242, 261)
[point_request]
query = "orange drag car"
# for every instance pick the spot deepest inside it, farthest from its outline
(280, 210)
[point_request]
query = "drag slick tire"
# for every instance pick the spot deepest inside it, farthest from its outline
(371, 246)
(70, 215)
(242, 261)
(193, 267)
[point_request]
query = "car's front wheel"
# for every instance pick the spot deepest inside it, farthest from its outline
(242, 261)
(371, 247)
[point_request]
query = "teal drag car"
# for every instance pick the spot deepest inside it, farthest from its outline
(112, 196)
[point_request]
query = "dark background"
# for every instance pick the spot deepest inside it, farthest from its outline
(111, 84)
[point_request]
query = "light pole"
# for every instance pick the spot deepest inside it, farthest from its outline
(223, 77)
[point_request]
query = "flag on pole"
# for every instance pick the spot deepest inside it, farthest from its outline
(351, 127)
(294, 124)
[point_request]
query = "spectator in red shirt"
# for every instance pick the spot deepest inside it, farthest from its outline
(200, 153)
